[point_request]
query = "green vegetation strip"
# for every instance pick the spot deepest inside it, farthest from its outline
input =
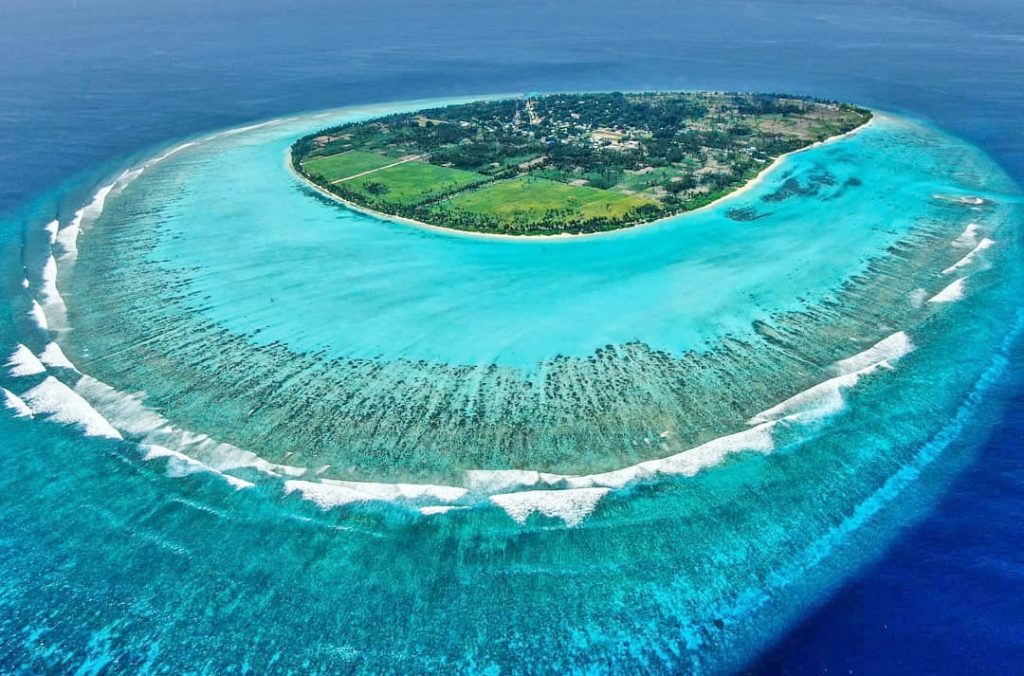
(564, 163)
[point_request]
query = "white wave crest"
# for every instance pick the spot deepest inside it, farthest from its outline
(888, 349)
(13, 402)
(503, 480)
(54, 357)
(67, 237)
(37, 315)
(60, 403)
(23, 363)
(969, 258)
(179, 464)
(129, 413)
(51, 230)
(329, 493)
(951, 293)
(172, 151)
(324, 495)
(400, 491)
(48, 283)
(571, 505)
(969, 237)
(431, 510)
(826, 398)
(251, 127)
(686, 463)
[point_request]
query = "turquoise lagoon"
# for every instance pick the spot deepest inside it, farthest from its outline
(646, 448)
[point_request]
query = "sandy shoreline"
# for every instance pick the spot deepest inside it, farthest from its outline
(565, 236)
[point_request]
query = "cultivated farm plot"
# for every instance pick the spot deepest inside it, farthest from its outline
(526, 199)
(343, 165)
(412, 183)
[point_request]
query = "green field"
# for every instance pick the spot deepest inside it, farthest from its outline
(335, 167)
(410, 183)
(529, 200)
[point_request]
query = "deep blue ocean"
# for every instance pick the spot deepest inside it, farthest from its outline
(88, 87)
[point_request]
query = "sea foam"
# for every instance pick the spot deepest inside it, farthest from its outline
(572, 506)
(37, 315)
(400, 491)
(969, 237)
(686, 463)
(951, 293)
(129, 413)
(826, 398)
(332, 493)
(23, 363)
(888, 349)
(969, 258)
(54, 357)
(67, 238)
(13, 402)
(51, 231)
(179, 465)
(172, 151)
(60, 403)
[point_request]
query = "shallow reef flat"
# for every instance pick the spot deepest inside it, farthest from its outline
(372, 350)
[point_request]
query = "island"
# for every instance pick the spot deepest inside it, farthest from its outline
(563, 163)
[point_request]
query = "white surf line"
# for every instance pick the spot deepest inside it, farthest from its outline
(128, 413)
(986, 243)
(951, 293)
(969, 237)
(332, 493)
(23, 363)
(48, 281)
(51, 230)
(572, 505)
(251, 127)
(371, 171)
(685, 463)
(54, 357)
(826, 397)
(886, 350)
(37, 315)
(815, 402)
(67, 237)
(432, 510)
(172, 151)
(180, 465)
(14, 403)
(58, 402)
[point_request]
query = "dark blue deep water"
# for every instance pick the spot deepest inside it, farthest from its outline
(87, 85)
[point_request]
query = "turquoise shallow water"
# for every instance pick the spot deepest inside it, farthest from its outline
(247, 307)
(374, 287)
(234, 303)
